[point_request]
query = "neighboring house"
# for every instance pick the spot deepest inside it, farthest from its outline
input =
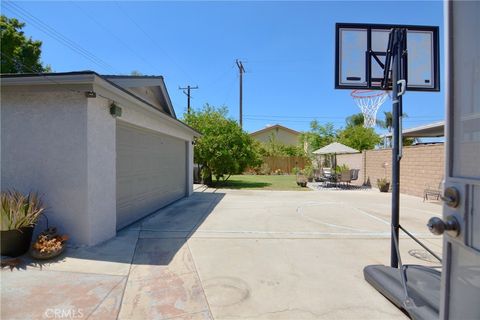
(278, 133)
(98, 169)
(432, 132)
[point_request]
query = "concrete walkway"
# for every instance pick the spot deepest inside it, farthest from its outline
(230, 255)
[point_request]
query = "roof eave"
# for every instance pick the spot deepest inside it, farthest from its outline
(110, 86)
(273, 127)
(88, 77)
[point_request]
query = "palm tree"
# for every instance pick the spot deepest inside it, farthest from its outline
(388, 122)
(356, 119)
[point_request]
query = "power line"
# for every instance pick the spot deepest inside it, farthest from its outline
(152, 39)
(58, 84)
(36, 72)
(333, 119)
(220, 76)
(326, 120)
(50, 31)
(286, 60)
(289, 120)
(299, 117)
(327, 117)
(229, 90)
(50, 79)
(116, 37)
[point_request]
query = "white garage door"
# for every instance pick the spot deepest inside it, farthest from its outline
(151, 172)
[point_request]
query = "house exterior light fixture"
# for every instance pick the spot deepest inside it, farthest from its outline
(90, 94)
(115, 110)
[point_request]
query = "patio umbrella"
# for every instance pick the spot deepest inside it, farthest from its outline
(335, 148)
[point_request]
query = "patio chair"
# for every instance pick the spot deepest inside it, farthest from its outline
(327, 173)
(327, 176)
(345, 177)
(431, 191)
(354, 174)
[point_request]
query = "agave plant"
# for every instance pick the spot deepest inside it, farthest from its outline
(19, 210)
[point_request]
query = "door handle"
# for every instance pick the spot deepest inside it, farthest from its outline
(451, 197)
(437, 226)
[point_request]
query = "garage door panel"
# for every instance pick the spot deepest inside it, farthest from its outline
(151, 172)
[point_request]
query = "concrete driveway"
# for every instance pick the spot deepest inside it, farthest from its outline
(230, 254)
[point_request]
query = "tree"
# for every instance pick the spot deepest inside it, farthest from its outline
(318, 136)
(224, 148)
(356, 119)
(359, 138)
(19, 54)
(388, 124)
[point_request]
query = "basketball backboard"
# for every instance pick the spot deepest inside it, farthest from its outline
(360, 51)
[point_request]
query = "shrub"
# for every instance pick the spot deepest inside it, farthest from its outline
(342, 168)
(308, 171)
(264, 169)
(19, 210)
(224, 148)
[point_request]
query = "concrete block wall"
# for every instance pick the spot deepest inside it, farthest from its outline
(378, 165)
(421, 166)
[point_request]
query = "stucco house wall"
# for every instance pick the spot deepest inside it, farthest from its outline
(58, 142)
(44, 149)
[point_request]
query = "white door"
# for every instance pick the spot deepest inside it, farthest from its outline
(151, 172)
(461, 211)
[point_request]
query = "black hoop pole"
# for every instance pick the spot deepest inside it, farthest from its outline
(397, 74)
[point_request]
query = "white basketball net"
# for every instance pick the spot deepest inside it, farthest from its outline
(369, 101)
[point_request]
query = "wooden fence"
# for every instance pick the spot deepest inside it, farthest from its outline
(286, 164)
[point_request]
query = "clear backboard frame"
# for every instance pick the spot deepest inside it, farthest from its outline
(369, 47)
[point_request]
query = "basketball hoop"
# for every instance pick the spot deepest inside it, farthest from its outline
(369, 101)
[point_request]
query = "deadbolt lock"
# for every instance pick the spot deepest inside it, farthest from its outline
(451, 197)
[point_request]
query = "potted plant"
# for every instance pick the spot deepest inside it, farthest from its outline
(308, 170)
(383, 184)
(301, 179)
(19, 214)
(49, 244)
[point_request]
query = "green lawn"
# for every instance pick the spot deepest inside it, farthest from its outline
(261, 182)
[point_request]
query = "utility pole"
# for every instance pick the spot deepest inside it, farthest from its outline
(188, 88)
(241, 71)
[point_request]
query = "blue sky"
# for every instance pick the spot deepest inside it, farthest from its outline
(287, 49)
